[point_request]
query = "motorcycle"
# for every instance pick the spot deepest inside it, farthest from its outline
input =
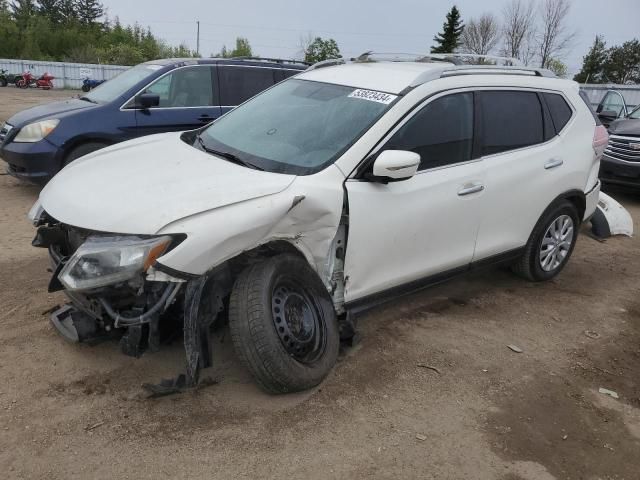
(28, 80)
(89, 84)
(3, 78)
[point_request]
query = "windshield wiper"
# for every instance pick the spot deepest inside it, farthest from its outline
(227, 155)
(87, 99)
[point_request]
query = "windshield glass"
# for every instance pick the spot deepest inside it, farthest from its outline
(636, 113)
(117, 86)
(297, 127)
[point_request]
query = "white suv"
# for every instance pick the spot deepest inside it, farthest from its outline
(347, 185)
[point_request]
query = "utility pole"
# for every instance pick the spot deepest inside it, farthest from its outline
(198, 40)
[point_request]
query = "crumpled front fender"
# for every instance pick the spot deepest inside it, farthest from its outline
(306, 214)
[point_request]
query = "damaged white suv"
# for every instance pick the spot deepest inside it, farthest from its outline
(347, 185)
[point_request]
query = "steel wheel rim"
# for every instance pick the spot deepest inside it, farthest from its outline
(556, 243)
(298, 321)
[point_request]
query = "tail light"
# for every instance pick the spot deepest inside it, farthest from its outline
(600, 138)
(600, 141)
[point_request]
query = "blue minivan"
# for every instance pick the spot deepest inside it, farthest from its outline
(153, 97)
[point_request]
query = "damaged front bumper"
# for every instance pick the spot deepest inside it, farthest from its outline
(141, 311)
(131, 309)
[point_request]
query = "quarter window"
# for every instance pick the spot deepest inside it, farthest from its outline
(510, 120)
(184, 87)
(238, 84)
(441, 133)
(560, 111)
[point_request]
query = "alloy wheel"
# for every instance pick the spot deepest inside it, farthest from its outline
(556, 243)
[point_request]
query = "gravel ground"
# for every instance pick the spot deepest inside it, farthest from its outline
(485, 412)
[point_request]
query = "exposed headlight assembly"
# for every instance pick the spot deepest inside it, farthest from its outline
(102, 261)
(34, 132)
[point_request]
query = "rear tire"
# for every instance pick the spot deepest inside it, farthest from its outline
(86, 87)
(3, 82)
(283, 325)
(82, 150)
(551, 243)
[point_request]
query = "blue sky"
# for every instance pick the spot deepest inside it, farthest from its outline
(274, 28)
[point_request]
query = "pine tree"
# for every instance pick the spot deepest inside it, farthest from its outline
(593, 63)
(89, 11)
(449, 39)
(50, 9)
(67, 9)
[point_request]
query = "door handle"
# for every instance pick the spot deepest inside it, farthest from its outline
(471, 189)
(205, 118)
(553, 163)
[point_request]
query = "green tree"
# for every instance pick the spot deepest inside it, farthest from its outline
(623, 63)
(449, 40)
(89, 11)
(557, 67)
(50, 9)
(319, 50)
(68, 12)
(243, 49)
(23, 11)
(593, 63)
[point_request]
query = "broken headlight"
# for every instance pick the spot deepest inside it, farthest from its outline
(102, 261)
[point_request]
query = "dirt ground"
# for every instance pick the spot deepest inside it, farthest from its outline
(73, 411)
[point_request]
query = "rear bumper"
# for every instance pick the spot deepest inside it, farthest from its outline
(619, 172)
(591, 201)
(34, 162)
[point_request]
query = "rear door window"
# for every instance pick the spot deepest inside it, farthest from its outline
(184, 87)
(510, 120)
(441, 133)
(560, 111)
(239, 83)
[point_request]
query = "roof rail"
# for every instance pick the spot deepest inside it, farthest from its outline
(327, 63)
(457, 70)
(271, 60)
(468, 58)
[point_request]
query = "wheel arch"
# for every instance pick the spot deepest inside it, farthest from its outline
(76, 142)
(577, 198)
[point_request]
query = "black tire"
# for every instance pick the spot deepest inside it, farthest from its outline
(86, 88)
(288, 281)
(82, 150)
(3, 82)
(529, 265)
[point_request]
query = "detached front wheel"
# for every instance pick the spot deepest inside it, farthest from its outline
(283, 325)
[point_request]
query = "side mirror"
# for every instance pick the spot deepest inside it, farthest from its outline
(394, 165)
(147, 100)
(608, 114)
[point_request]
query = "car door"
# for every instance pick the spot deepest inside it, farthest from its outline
(611, 107)
(188, 100)
(407, 231)
(239, 83)
(524, 168)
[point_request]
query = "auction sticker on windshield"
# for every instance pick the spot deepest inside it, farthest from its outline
(373, 96)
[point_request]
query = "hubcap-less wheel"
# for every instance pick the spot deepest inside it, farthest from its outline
(298, 322)
(556, 243)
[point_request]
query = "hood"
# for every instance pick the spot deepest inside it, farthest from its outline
(625, 126)
(140, 186)
(49, 110)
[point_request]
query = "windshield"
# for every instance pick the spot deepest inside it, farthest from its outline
(636, 113)
(298, 127)
(117, 86)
